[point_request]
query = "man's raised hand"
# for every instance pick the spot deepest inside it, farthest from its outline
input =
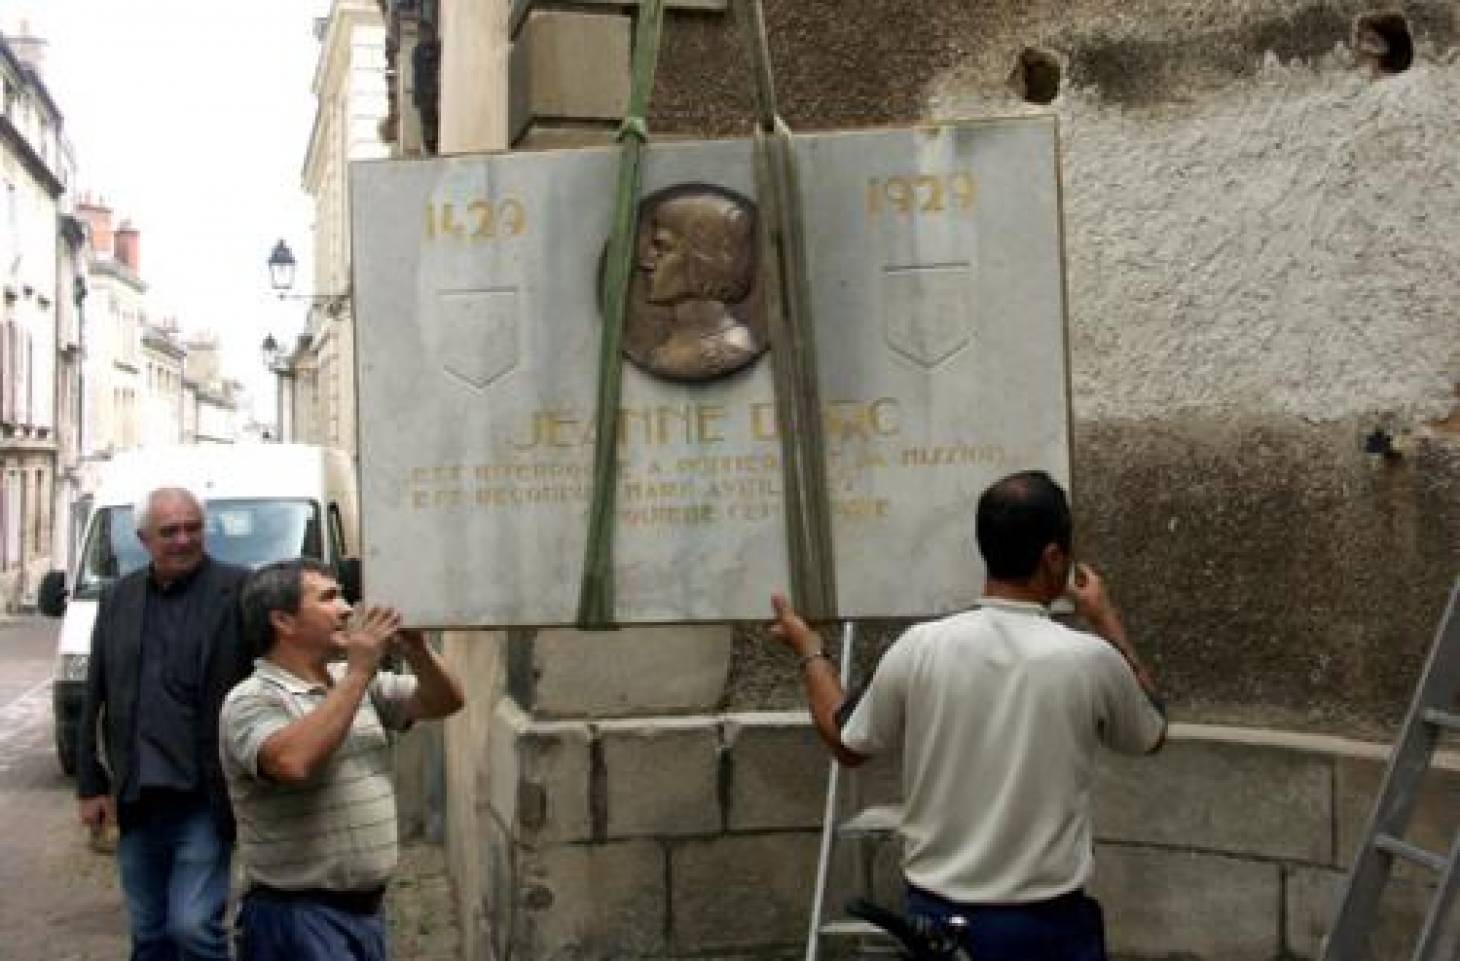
(1087, 592)
(789, 629)
(368, 638)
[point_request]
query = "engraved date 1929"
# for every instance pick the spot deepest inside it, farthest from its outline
(920, 194)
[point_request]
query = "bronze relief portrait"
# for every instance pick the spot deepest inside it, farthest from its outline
(694, 305)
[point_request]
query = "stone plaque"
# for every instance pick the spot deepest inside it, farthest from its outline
(938, 299)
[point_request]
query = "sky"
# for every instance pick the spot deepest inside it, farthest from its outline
(191, 119)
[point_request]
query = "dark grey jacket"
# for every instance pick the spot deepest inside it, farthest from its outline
(113, 681)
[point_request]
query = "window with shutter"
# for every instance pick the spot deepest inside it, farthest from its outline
(14, 498)
(12, 373)
(29, 386)
(6, 379)
(4, 510)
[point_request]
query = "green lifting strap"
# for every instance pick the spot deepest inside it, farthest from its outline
(793, 343)
(595, 597)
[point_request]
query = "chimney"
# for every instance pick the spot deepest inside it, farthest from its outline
(28, 48)
(129, 247)
(98, 217)
(202, 363)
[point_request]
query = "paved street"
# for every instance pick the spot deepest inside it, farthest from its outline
(61, 901)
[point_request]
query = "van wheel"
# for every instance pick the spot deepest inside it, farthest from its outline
(66, 752)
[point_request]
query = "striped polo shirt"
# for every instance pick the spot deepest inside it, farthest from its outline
(337, 830)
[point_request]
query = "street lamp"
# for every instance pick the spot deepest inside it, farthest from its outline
(278, 363)
(281, 267)
(281, 277)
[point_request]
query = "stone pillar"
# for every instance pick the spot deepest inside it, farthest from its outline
(568, 76)
(605, 756)
(474, 44)
(479, 659)
(409, 140)
(569, 69)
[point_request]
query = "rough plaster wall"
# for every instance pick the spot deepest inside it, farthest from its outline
(1261, 252)
(1259, 275)
(1273, 573)
(856, 63)
(1253, 222)
(1280, 248)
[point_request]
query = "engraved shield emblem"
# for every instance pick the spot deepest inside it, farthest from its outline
(927, 312)
(477, 335)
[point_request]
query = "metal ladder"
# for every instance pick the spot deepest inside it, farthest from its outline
(1435, 709)
(851, 937)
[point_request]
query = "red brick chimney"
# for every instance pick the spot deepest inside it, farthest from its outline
(129, 246)
(98, 217)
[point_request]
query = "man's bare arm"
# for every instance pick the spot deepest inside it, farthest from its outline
(297, 751)
(438, 692)
(824, 692)
(1094, 605)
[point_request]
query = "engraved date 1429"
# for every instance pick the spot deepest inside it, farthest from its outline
(476, 220)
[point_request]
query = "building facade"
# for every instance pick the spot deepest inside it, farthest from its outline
(210, 400)
(351, 103)
(117, 314)
(146, 382)
(32, 164)
(73, 260)
(83, 370)
(1264, 440)
(162, 400)
(1258, 200)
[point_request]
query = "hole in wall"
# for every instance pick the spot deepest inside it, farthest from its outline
(1036, 76)
(1383, 42)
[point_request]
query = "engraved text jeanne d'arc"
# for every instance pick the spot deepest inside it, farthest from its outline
(545, 466)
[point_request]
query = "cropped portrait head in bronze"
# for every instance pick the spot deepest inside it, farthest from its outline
(694, 302)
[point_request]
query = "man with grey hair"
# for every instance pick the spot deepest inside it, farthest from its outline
(166, 648)
(305, 751)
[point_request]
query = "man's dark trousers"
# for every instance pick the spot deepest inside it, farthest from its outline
(1066, 928)
(296, 928)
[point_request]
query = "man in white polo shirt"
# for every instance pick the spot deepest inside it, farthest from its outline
(307, 757)
(997, 713)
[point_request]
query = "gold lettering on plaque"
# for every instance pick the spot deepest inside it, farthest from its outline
(481, 219)
(917, 194)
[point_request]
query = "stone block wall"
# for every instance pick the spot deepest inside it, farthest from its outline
(651, 822)
(696, 836)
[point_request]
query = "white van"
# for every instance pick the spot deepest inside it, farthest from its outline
(264, 502)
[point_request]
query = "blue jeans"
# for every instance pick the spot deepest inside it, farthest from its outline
(271, 929)
(174, 872)
(1066, 928)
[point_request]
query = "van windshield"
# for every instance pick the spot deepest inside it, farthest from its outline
(244, 532)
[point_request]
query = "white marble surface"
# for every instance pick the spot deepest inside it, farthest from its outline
(942, 354)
